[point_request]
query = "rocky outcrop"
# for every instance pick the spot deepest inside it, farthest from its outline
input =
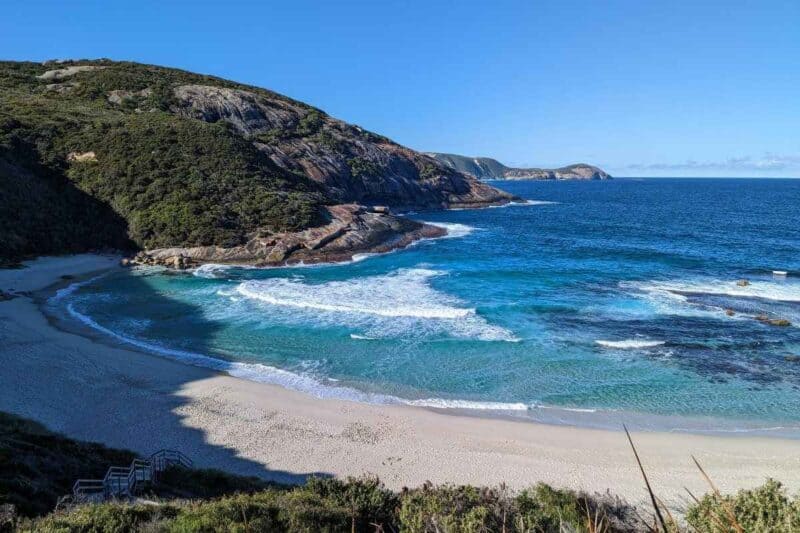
(66, 72)
(487, 168)
(351, 229)
(579, 171)
(352, 164)
(193, 168)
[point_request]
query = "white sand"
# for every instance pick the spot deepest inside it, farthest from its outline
(125, 398)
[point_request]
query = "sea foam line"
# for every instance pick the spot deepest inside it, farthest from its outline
(262, 373)
(630, 344)
(779, 291)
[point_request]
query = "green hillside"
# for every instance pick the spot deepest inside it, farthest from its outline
(100, 154)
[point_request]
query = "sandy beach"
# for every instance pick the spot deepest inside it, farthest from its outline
(125, 398)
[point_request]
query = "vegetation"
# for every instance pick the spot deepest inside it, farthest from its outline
(37, 466)
(766, 508)
(149, 178)
(361, 168)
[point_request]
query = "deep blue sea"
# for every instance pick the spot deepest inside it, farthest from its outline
(595, 303)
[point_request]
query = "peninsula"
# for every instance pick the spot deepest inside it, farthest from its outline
(486, 168)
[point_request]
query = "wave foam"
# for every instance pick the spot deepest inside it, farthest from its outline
(399, 304)
(630, 344)
(524, 203)
(72, 287)
(261, 373)
(779, 291)
(211, 271)
(454, 230)
(386, 296)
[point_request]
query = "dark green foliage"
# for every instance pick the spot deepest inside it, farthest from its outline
(362, 168)
(157, 180)
(37, 466)
(176, 482)
(428, 172)
(102, 518)
(311, 124)
(765, 509)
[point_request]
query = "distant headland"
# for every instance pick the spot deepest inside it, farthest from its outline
(491, 169)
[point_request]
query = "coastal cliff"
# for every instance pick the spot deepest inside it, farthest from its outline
(491, 169)
(103, 154)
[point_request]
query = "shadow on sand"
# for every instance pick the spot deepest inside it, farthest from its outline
(123, 399)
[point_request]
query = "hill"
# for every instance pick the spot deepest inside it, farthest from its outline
(491, 169)
(103, 154)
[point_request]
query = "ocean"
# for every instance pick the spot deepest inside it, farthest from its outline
(591, 303)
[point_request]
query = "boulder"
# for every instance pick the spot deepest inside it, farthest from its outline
(85, 157)
(781, 322)
(4, 296)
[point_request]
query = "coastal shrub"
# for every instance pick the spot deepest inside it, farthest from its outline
(454, 508)
(103, 518)
(363, 168)
(241, 513)
(767, 508)
(177, 482)
(365, 500)
(157, 179)
(38, 466)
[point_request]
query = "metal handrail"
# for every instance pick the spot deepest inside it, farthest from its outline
(112, 484)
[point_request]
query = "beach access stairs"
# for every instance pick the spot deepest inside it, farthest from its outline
(121, 482)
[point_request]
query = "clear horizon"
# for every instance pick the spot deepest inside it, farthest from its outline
(638, 89)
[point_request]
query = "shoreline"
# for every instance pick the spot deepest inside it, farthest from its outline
(130, 398)
(319, 389)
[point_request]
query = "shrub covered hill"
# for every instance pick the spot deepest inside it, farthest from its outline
(103, 154)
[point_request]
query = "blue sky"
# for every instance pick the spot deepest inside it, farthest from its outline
(642, 88)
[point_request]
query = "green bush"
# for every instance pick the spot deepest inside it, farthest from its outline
(766, 509)
(102, 518)
(158, 179)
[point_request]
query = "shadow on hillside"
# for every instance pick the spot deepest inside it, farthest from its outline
(87, 397)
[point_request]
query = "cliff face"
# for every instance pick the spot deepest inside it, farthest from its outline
(353, 165)
(183, 161)
(487, 168)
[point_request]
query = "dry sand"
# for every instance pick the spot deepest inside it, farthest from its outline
(125, 398)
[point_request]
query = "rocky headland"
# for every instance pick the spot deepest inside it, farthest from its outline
(491, 169)
(180, 168)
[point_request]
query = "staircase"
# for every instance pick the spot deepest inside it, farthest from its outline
(120, 482)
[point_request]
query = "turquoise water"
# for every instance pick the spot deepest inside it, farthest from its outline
(595, 303)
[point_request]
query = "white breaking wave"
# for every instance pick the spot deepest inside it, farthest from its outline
(402, 295)
(509, 204)
(72, 287)
(211, 271)
(454, 230)
(441, 403)
(398, 304)
(779, 291)
(523, 203)
(630, 344)
(319, 388)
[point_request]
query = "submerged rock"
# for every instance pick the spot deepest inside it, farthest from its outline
(781, 322)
